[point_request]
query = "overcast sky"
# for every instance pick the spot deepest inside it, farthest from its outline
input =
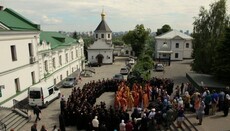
(121, 15)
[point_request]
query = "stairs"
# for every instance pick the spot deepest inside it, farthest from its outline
(14, 119)
(186, 126)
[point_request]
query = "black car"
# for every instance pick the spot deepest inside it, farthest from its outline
(94, 64)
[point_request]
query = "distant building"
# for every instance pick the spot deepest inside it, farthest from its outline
(173, 45)
(19, 61)
(124, 50)
(101, 51)
(59, 56)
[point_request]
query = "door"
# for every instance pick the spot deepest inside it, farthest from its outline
(99, 58)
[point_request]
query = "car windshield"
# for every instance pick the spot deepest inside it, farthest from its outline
(35, 94)
(69, 79)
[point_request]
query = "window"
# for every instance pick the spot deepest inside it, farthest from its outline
(51, 91)
(13, 52)
(96, 35)
(126, 52)
(31, 53)
(108, 35)
(54, 64)
(60, 60)
(66, 57)
(177, 45)
(46, 65)
(176, 55)
(92, 57)
(71, 55)
(102, 35)
(61, 77)
(35, 94)
(76, 53)
(187, 45)
(67, 73)
(164, 55)
(33, 77)
(55, 81)
(17, 84)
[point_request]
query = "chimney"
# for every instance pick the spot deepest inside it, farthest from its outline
(1, 7)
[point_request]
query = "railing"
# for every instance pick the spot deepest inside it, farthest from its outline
(2, 126)
(22, 106)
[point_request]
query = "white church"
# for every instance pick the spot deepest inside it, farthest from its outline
(101, 51)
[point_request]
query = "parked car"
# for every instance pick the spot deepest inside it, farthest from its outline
(94, 64)
(69, 82)
(132, 61)
(159, 67)
(124, 71)
(118, 77)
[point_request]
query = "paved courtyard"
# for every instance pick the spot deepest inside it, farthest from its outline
(176, 72)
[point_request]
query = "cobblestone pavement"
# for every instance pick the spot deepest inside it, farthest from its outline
(176, 72)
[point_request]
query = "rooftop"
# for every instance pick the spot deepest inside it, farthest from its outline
(56, 39)
(16, 22)
(172, 34)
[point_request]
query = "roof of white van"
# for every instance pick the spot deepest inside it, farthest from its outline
(43, 85)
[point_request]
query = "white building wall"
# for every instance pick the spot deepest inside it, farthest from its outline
(60, 71)
(108, 56)
(182, 51)
(21, 68)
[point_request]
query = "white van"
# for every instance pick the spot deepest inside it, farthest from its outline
(42, 94)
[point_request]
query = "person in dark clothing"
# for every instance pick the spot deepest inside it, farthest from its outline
(34, 127)
(37, 111)
(61, 122)
(226, 105)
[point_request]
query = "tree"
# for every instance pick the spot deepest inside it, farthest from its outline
(208, 30)
(222, 60)
(137, 38)
(165, 28)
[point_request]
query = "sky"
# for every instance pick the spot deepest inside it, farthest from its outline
(121, 15)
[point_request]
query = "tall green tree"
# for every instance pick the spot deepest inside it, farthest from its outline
(221, 67)
(165, 28)
(208, 29)
(137, 38)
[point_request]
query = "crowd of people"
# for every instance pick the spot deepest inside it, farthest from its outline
(150, 104)
(138, 106)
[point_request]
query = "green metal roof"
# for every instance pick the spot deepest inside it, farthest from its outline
(15, 21)
(57, 40)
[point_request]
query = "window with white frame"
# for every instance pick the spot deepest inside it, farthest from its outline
(54, 64)
(60, 60)
(46, 65)
(71, 55)
(108, 35)
(13, 53)
(102, 35)
(176, 55)
(66, 57)
(187, 45)
(177, 45)
(76, 53)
